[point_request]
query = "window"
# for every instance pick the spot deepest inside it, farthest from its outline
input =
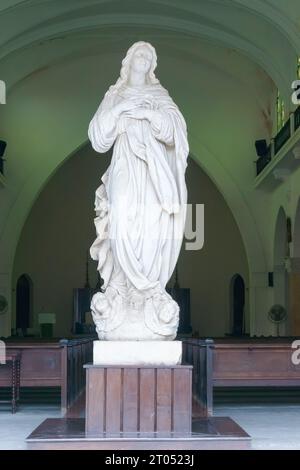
(280, 108)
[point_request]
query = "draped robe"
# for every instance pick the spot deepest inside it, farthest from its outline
(141, 203)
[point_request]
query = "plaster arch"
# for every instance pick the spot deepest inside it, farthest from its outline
(214, 23)
(273, 14)
(224, 183)
(210, 164)
(68, 132)
(62, 141)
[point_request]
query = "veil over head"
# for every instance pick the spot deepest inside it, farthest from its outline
(124, 72)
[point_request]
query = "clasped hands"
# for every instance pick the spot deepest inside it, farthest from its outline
(136, 108)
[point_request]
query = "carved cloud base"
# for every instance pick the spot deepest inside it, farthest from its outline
(136, 317)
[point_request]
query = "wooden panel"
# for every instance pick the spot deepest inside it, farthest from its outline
(254, 363)
(39, 367)
(113, 399)
(164, 400)
(182, 400)
(199, 354)
(145, 400)
(52, 364)
(64, 381)
(195, 358)
(147, 394)
(95, 401)
(162, 445)
(211, 433)
(130, 400)
(209, 378)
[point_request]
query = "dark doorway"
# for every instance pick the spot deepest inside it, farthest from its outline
(24, 302)
(237, 297)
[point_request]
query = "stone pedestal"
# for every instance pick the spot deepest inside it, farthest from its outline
(138, 401)
(137, 353)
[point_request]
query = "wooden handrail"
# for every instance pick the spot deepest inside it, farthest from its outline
(199, 353)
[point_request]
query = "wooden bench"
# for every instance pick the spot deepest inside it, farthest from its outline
(57, 363)
(255, 362)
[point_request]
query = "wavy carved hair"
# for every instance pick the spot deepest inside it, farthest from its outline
(124, 73)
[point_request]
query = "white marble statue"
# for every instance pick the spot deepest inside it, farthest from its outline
(141, 203)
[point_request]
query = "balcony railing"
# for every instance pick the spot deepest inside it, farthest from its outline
(297, 119)
(283, 136)
(262, 162)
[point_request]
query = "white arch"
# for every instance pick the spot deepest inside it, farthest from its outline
(215, 170)
(43, 170)
(283, 23)
(210, 164)
(211, 20)
(216, 35)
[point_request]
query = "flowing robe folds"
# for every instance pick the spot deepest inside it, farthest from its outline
(140, 214)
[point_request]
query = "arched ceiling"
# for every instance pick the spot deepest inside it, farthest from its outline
(264, 31)
(49, 113)
(40, 35)
(215, 55)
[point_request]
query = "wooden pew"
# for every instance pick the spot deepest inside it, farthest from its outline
(251, 362)
(255, 362)
(52, 363)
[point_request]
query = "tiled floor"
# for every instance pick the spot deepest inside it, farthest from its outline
(15, 428)
(271, 426)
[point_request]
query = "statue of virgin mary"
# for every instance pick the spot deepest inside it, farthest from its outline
(141, 204)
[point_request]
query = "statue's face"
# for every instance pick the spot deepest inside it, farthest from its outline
(141, 60)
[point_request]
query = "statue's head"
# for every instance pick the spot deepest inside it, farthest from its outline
(140, 57)
(141, 60)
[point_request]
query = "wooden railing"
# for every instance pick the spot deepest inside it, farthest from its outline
(262, 162)
(297, 119)
(76, 353)
(199, 353)
(282, 137)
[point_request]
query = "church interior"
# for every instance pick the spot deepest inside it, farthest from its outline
(231, 67)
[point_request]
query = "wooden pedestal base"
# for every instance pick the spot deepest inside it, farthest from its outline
(138, 408)
(143, 400)
(207, 433)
